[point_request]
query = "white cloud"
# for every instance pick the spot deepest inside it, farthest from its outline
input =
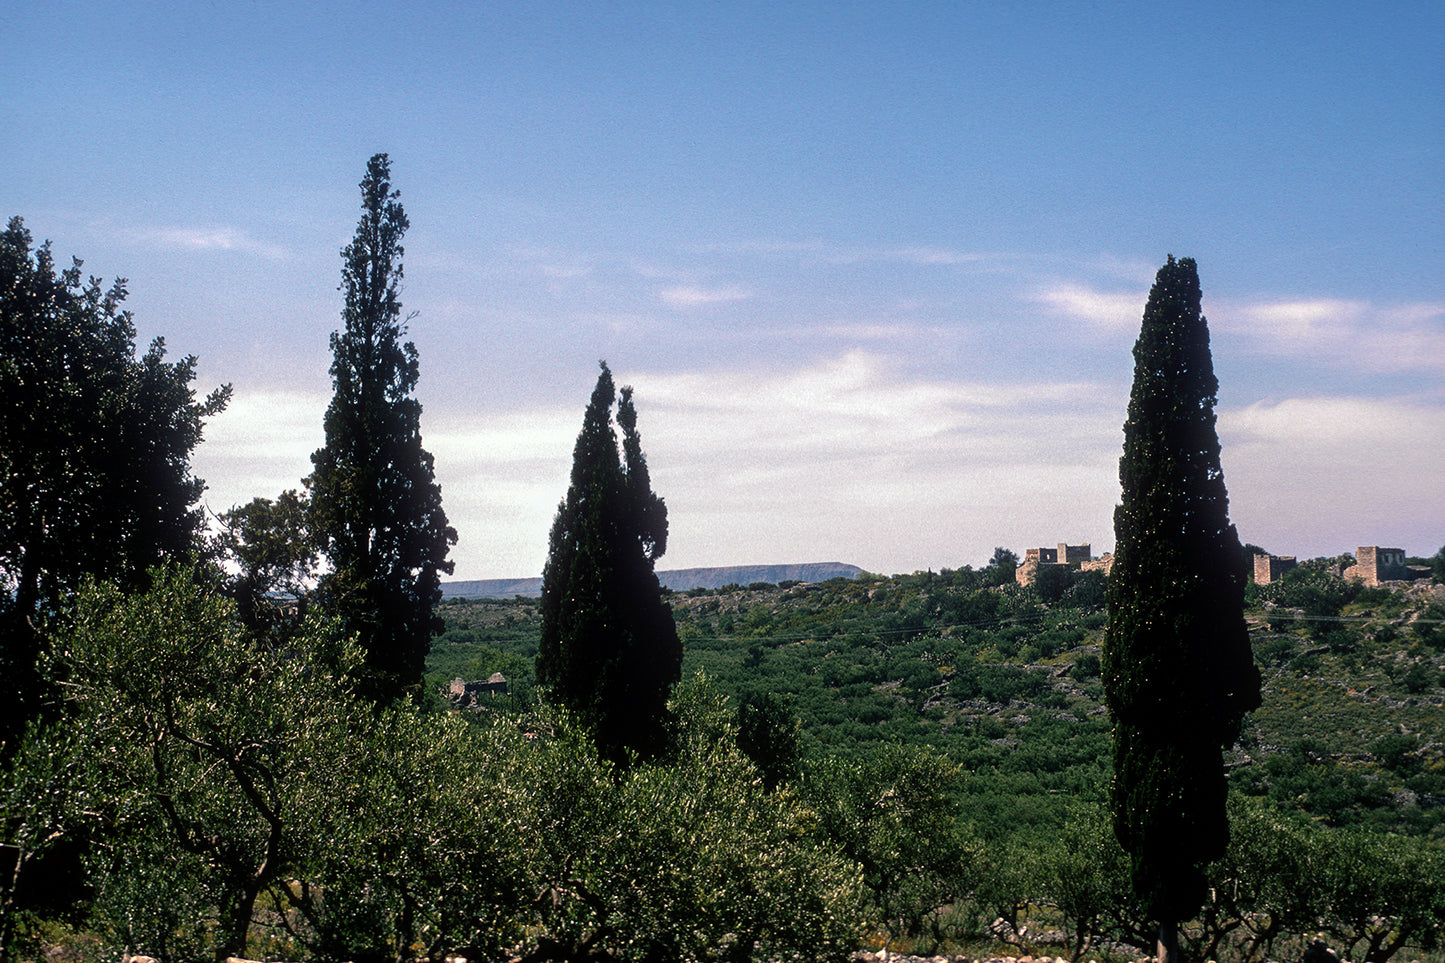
(208, 239)
(1113, 311)
(1368, 338)
(847, 459)
(856, 459)
(502, 476)
(850, 459)
(691, 296)
(1375, 339)
(1322, 475)
(259, 446)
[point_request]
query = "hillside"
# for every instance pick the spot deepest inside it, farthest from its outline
(1005, 681)
(678, 580)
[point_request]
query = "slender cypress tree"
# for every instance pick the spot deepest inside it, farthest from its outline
(609, 649)
(376, 506)
(1178, 671)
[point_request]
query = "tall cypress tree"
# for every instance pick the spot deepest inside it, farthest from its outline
(609, 650)
(1179, 674)
(376, 506)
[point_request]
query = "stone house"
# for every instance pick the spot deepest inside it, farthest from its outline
(465, 694)
(1269, 568)
(1374, 565)
(1061, 555)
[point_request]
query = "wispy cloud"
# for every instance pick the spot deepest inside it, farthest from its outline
(208, 239)
(1379, 339)
(827, 252)
(1370, 338)
(922, 255)
(1112, 311)
(692, 296)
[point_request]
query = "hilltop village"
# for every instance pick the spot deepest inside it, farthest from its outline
(1373, 565)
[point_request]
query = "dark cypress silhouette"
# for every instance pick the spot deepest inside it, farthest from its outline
(1178, 670)
(609, 650)
(376, 507)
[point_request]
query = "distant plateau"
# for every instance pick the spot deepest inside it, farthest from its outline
(678, 579)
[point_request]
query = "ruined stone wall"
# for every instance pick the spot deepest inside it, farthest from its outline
(465, 694)
(1267, 568)
(1061, 555)
(1041, 556)
(1375, 565)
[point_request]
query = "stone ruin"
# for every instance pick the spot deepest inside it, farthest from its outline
(466, 695)
(1270, 568)
(1080, 555)
(1374, 565)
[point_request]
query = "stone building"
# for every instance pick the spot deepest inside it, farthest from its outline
(1061, 555)
(1269, 568)
(1374, 565)
(464, 693)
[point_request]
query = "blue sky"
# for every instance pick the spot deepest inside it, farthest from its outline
(874, 269)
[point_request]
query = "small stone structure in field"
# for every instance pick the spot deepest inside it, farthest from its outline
(465, 694)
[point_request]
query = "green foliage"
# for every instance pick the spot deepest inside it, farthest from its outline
(275, 557)
(1384, 893)
(768, 734)
(95, 448)
(894, 813)
(688, 860)
(609, 650)
(1000, 684)
(1178, 673)
(375, 505)
(212, 775)
(194, 755)
(1084, 874)
(1001, 566)
(1316, 590)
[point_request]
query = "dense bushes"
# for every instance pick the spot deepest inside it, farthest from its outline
(1282, 880)
(823, 781)
(220, 784)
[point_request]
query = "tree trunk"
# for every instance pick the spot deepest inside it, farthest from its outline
(236, 924)
(1168, 942)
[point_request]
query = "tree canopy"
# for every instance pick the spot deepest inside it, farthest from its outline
(609, 650)
(375, 504)
(95, 446)
(1178, 671)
